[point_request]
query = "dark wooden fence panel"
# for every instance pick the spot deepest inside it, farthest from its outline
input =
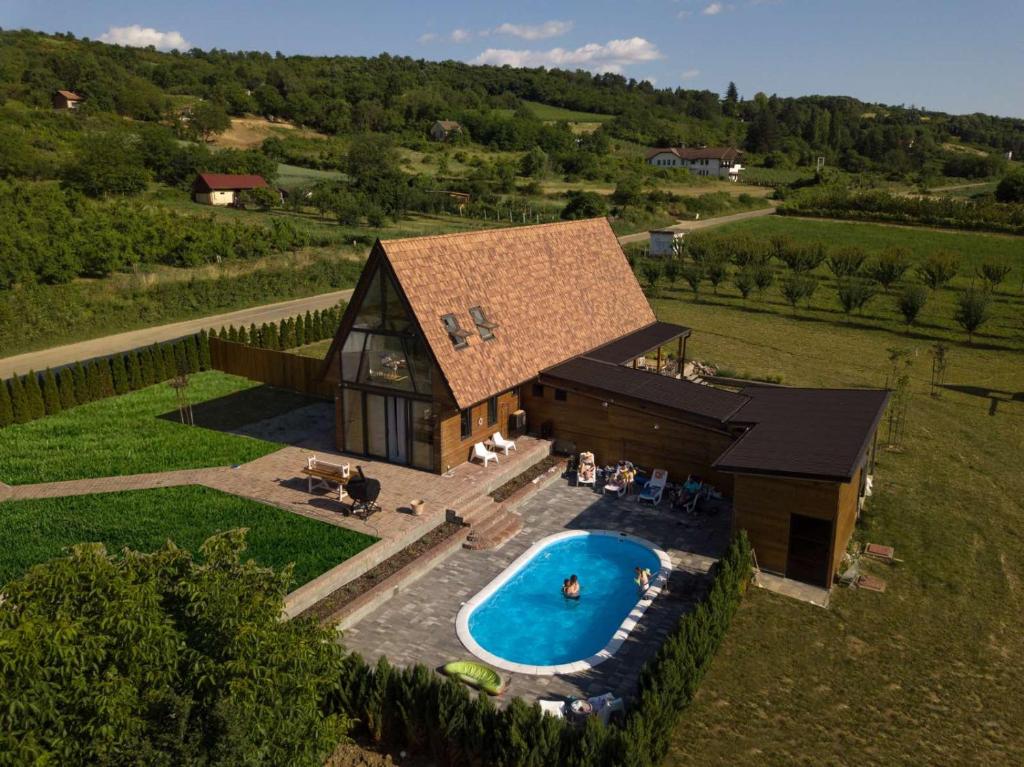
(280, 369)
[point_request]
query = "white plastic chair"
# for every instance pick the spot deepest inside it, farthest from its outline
(503, 444)
(655, 487)
(481, 453)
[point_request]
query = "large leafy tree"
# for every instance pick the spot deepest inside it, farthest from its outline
(107, 163)
(163, 659)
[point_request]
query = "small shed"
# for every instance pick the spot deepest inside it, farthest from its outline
(66, 100)
(224, 188)
(663, 242)
(445, 130)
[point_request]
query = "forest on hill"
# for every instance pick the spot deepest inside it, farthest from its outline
(403, 96)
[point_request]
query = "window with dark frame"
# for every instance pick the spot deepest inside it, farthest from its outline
(483, 325)
(466, 423)
(538, 390)
(492, 411)
(561, 395)
(458, 336)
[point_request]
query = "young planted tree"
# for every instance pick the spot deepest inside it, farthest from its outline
(19, 402)
(972, 311)
(671, 271)
(910, 302)
(51, 394)
(938, 269)
(205, 363)
(66, 387)
(256, 336)
(651, 271)
(308, 329)
(764, 277)
(694, 275)
(222, 334)
(119, 372)
(34, 395)
(6, 408)
(802, 259)
(717, 271)
(233, 334)
(192, 354)
(798, 287)
(939, 354)
(994, 272)
(287, 339)
(273, 340)
(780, 245)
(889, 266)
(854, 293)
(243, 337)
(299, 329)
(745, 281)
(846, 262)
(263, 337)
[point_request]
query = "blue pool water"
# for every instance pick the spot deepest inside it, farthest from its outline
(527, 620)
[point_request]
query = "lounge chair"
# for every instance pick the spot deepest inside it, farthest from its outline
(481, 453)
(586, 473)
(500, 443)
(654, 487)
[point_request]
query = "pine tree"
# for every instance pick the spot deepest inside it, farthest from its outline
(180, 358)
(233, 334)
(300, 331)
(34, 395)
(81, 378)
(264, 336)
(192, 354)
(106, 377)
(243, 336)
(6, 409)
(254, 335)
(119, 373)
(287, 340)
(148, 366)
(205, 362)
(223, 334)
(308, 334)
(318, 325)
(134, 370)
(273, 337)
(51, 395)
(66, 386)
(19, 403)
(170, 366)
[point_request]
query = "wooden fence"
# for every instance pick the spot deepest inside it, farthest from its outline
(280, 369)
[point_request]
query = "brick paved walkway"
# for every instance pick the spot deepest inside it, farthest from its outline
(419, 624)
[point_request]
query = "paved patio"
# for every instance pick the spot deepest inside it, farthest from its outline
(418, 625)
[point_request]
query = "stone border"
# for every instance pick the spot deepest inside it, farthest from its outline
(617, 639)
(527, 491)
(353, 612)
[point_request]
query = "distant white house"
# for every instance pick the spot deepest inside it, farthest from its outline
(445, 130)
(720, 162)
(66, 100)
(224, 188)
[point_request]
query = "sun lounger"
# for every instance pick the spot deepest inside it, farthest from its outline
(500, 443)
(481, 453)
(586, 473)
(654, 488)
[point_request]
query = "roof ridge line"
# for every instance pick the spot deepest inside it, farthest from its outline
(447, 235)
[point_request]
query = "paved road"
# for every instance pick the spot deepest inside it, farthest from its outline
(122, 342)
(690, 226)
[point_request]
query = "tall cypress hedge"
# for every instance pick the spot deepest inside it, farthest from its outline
(66, 386)
(19, 402)
(119, 374)
(81, 378)
(6, 408)
(51, 394)
(34, 395)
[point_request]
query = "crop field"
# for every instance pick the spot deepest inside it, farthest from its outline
(143, 520)
(135, 433)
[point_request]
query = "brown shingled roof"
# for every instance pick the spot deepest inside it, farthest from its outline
(225, 181)
(553, 290)
(70, 95)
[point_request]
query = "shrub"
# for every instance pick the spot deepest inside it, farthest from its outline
(584, 205)
(972, 311)
(671, 271)
(994, 272)
(804, 258)
(134, 369)
(204, 351)
(652, 273)
(66, 386)
(83, 393)
(717, 271)
(694, 274)
(1011, 188)
(6, 408)
(119, 374)
(51, 395)
(889, 266)
(744, 281)
(798, 287)
(192, 354)
(34, 396)
(763, 278)
(855, 293)
(911, 301)
(846, 262)
(938, 269)
(19, 402)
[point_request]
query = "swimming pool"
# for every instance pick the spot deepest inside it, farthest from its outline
(521, 622)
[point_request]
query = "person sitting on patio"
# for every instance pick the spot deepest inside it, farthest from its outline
(587, 472)
(691, 486)
(571, 588)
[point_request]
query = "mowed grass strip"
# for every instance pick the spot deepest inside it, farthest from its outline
(930, 671)
(126, 435)
(38, 530)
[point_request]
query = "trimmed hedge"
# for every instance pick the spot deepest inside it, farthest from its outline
(417, 710)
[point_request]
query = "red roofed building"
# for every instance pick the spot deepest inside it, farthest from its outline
(720, 162)
(224, 188)
(66, 100)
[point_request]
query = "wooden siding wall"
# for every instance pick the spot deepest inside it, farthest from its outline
(280, 369)
(454, 450)
(762, 505)
(616, 432)
(846, 519)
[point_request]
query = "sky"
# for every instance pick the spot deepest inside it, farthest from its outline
(957, 56)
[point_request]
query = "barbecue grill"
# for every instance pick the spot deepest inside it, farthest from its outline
(364, 492)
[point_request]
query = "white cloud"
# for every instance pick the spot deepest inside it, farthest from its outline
(543, 31)
(713, 9)
(460, 35)
(427, 37)
(138, 36)
(690, 74)
(684, 14)
(607, 57)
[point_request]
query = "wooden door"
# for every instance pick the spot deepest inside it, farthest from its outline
(810, 542)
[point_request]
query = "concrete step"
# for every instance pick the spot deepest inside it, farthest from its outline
(477, 510)
(495, 532)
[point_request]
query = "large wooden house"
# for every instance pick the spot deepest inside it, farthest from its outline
(448, 339)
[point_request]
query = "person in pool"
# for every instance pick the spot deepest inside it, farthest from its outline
(642, 579)
(571, 588)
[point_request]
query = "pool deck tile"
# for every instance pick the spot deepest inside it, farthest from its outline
(418, 625)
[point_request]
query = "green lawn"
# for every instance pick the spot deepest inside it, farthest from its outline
(127, 435)
(931, 671)
(317, 349)
(38, 530)
(553, 113)
(291, 176)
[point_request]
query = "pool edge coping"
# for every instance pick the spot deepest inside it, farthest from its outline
(617, 639)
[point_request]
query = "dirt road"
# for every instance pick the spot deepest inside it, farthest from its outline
(691, 226)
(122, 342)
